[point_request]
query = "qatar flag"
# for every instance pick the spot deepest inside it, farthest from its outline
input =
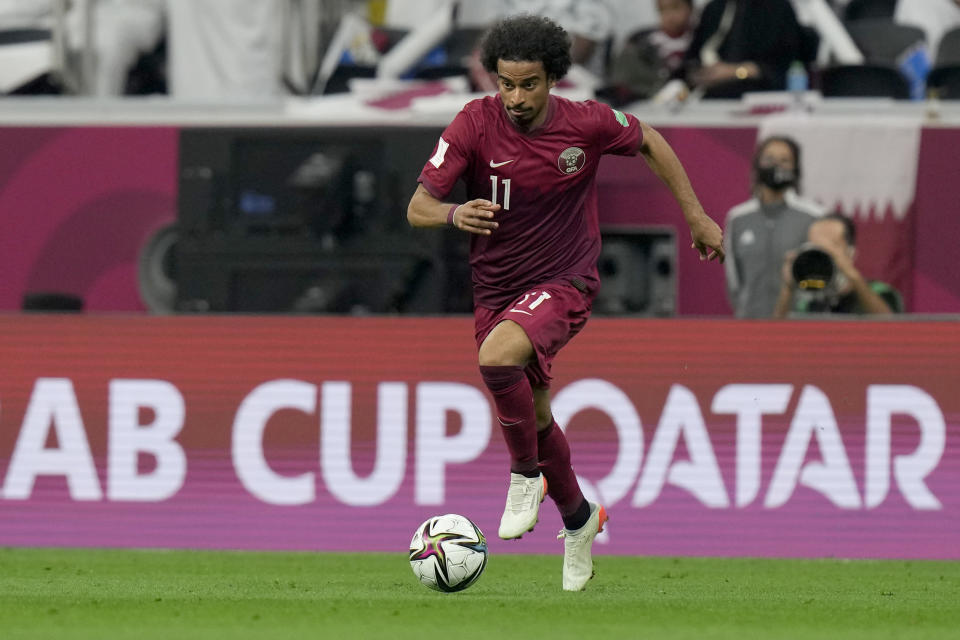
(866, 169)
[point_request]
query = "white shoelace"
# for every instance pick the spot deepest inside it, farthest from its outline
(519, 502)
(576, 538)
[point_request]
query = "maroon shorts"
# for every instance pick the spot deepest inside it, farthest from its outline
(550, 315)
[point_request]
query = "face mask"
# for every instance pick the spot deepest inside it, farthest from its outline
(777, 178)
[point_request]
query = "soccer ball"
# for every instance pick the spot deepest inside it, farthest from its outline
(448, 553)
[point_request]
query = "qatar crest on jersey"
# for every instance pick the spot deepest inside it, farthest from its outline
(571, 160)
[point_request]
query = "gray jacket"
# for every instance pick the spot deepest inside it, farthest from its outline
(756, 239)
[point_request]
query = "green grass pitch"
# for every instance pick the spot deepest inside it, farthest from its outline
(55, 593)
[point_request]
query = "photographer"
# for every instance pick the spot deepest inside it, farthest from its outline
(821, 276)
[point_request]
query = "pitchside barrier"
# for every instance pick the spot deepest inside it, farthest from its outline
(87, 190)
(701, 437)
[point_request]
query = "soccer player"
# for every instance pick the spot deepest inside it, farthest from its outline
(529, 159)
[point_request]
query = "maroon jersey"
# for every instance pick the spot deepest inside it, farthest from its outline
(544, 182)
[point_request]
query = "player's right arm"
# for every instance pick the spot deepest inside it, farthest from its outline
(449, 163)
(475, 216)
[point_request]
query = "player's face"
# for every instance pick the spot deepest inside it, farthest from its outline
(524, 91)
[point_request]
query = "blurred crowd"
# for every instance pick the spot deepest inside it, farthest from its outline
(624, 50)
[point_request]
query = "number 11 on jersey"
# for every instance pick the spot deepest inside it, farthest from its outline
(506, 191)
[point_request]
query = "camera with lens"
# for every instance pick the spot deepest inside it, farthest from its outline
(817, 279)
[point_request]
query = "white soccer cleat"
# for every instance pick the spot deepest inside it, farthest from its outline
(523, 505)
(577, 559)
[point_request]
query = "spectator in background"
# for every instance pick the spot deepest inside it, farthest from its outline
(819, 287)
(589, 23)
(223, 50)
(761, 231)
(652, 57)
(744, 45)
(632, 16)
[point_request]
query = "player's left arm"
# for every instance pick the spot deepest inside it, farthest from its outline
(663, 161)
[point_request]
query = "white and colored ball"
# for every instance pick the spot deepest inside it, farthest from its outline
(448, 552)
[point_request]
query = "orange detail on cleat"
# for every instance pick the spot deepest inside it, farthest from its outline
(603, 518)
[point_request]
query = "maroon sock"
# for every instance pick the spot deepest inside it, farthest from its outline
(562, 485)
(518, 419)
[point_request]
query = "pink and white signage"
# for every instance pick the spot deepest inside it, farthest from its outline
(77, 207)
(702, 437)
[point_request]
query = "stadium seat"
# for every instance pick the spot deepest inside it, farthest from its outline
(25, 56)
(948, 52)
(809, 44)
(339, 81)
(945, 81)
(863, 81)
(882, 41)
(52, 302)
(863, 9)
(458, 47)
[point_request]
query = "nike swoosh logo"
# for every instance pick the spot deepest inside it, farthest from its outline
(494, 165)
(519, 311)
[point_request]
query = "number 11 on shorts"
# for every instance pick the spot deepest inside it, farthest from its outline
(537, 300)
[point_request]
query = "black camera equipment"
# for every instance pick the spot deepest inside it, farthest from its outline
(815, 274)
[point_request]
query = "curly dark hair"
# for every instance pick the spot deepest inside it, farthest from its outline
(527, 38)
